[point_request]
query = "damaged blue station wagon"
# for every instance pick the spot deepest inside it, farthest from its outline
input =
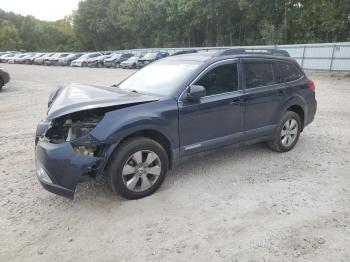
(131, 134)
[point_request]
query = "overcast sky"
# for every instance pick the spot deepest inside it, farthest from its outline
(49, 10)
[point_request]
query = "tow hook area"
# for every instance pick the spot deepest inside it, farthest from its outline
(63, 167)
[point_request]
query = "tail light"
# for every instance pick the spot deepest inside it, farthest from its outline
(311, 85)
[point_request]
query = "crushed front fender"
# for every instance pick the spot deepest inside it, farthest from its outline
(59, 167)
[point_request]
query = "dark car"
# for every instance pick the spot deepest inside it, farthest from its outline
(66, 61)
(40, 60)
(53, 60)
(4, 78)
(116, 59)
(150, 57)
(97, 61)
(131, 134)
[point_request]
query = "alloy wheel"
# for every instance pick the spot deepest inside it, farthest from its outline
(289, 132)
(141, 171)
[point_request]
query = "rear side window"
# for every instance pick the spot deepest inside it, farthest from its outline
(259, 74)
(222, 79)
(289, 71)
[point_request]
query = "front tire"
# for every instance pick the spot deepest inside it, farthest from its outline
(137, 168)
(287, 134)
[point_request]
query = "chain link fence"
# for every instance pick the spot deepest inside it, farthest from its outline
(330, 56)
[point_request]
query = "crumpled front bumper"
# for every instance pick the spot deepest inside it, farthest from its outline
(59, 167)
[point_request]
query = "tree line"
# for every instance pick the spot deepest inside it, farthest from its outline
(125, 24)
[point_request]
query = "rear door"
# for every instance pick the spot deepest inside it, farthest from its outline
(264, 91)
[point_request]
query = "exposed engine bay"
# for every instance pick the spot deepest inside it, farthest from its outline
(75, 128)
(71, 127)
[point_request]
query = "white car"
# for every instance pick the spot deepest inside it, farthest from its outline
(130, 63)
(83, 60)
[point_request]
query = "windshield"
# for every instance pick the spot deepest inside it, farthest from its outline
(84, 56)
(134, 58)
(114, 56)
(162, 78)
(150, 56)
(101, 56)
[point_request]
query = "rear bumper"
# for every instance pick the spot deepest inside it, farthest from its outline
(59, 168)
(93, 64)
(63, 63)
(312, 109)
(109, 63)
(77, 64)
(51, 62)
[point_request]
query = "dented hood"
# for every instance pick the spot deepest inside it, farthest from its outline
(78, 97)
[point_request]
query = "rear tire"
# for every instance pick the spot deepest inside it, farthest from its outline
(1, 84)
(287, 133)
(137, 168)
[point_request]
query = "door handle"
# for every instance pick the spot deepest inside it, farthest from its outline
(281, 92)
(236, 102)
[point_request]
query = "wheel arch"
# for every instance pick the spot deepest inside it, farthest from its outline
(298, 105)
(300, 111)
(155, 135)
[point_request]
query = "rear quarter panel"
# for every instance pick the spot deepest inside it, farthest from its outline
(299, 94)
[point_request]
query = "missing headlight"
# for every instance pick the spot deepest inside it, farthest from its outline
(85, 150)
(73, 126)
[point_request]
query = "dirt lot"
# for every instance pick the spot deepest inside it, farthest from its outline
(247, 204)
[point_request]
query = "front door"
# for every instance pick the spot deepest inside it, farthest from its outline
(216, 119)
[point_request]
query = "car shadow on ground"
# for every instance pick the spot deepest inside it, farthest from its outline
(231, 155)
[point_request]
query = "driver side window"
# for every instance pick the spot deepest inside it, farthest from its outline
(222, 79)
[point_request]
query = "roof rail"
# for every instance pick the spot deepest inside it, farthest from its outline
(239, 51)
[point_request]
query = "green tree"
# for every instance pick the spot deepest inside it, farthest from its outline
(9, 38)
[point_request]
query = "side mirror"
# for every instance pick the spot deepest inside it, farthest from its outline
(196, 92)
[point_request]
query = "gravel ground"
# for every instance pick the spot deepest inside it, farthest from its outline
(246, 204)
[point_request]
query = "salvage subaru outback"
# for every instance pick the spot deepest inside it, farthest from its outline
(130, 134)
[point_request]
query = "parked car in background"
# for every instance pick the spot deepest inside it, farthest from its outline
(116, 59)
(97, 61)
(30, 59)
(21, 59)
(4, 78)
(130, 63)
(66, 61)
(151, 57)
(4, 58)
(83, 60)
(15, 58)
(40, 60)
(53, 60)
